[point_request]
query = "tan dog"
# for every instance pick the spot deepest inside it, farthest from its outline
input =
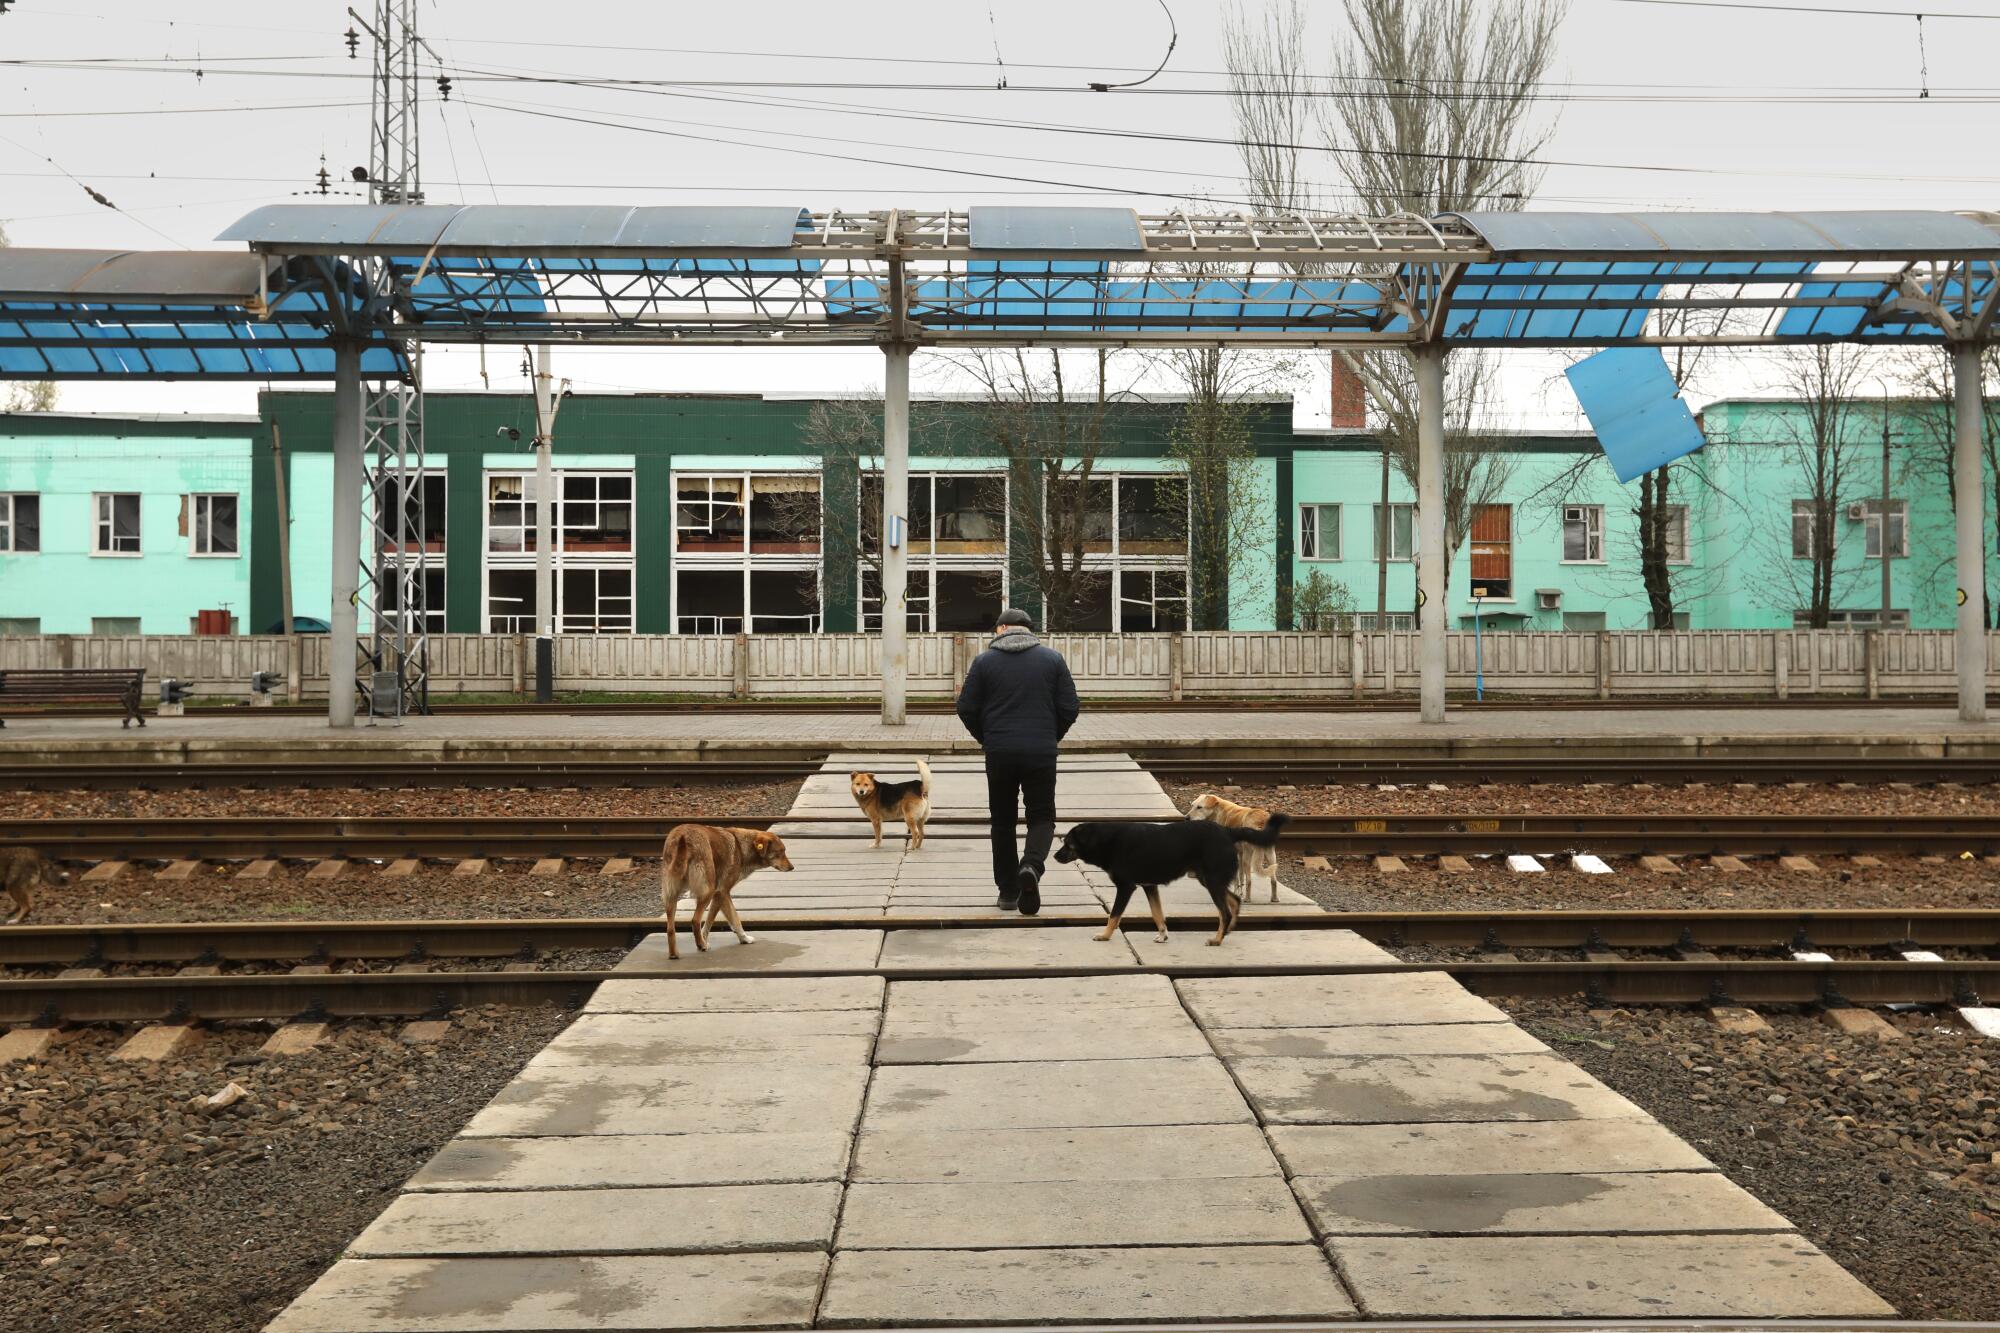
(709, 863)
(21, 869)
(1251, 859)
(907, 801)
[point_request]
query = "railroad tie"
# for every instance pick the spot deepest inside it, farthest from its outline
(1588, 864)
(548, 865)
(259, 869)
(1522, 864)
(179, 870)
(23, 1044)
(617, 865)
(1865, 862)
(1660, 865)
(104, 871)
(1860, 1023)
(158, 1041)
(327, 869)
(1738, 1021)
(1728, 865)
(1798, 865)
(294, 1039)
(1454, 865)
(470, 866)
(1389, 865)
(402, 866)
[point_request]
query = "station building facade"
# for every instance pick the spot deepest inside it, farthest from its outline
(707, 514)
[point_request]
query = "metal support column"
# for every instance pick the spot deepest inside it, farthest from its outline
(348, 472)
(545, 489)
(1430, 529)
(1969, 483)
(895, 533)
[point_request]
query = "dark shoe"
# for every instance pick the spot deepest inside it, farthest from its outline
(1009, 899)
(1028, 883)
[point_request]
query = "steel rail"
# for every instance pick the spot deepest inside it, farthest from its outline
(527, 938)
(54, 1000)
(534, 772)
(1386, 834)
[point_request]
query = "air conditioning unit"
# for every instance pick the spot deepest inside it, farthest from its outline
(1572, 513)
(1549, 599)
(1857, 511)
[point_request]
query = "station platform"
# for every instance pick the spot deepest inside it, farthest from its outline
(890, 1126)
(245, 736)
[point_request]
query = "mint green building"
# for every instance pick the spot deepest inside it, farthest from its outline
(702, 514)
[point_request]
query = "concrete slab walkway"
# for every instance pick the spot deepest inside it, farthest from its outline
(852, 1149)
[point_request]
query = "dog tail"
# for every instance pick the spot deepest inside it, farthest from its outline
(924, 773)
(1261, 837)
(674, 867)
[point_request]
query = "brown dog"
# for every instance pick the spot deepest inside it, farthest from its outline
(21, 869)
(710, 863)
(907, 801)
(1251, 859)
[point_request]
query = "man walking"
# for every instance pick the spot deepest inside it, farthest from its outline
(1018, 701)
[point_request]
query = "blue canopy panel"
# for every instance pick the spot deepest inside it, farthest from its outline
(541, 229)
(1856, 234)
(1634, 405)
(1018, 295)
(77, 341)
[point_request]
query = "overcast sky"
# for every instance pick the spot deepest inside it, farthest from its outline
(187, 122)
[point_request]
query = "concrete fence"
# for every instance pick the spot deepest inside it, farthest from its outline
(1772, 663)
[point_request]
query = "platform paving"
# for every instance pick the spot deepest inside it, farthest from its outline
(866, 1127)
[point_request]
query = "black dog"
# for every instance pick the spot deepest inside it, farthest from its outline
(1145, 856)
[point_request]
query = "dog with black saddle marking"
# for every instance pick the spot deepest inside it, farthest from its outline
(1145, 856)
(907, 801)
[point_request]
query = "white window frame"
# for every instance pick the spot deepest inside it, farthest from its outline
(1592, 518)
(1384, 532)
(205, 500)
(1115, 563)
(560, 559)
(1871, 529)
(10, 528)
(1677, 526)
(921, 555)
(1312, 521)
(102, 524)
(1806, 509)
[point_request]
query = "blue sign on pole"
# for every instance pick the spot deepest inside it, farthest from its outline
(1635, 407)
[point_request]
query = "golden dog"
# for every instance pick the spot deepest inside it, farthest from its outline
(709, 863)
(1251, 859)
(21, 870)
(907, 801)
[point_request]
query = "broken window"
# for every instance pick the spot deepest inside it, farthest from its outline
(916, 598)
(510, 601)
(426, 611)
(423, 510)
(214, 524)
(1152, 516)
(117, 527)
(594, 601)
(708, 601)
(708, 514)
(510, 512)
(784, 601)
(968, 600)
(595, 512)
(1081, 511)
(971, 514)
(1152, 600)
(784, 514)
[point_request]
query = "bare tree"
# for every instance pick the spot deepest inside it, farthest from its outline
(1433, 109)
(1820, 439)
(1051, 426)
(1932, 431)
(28, 395)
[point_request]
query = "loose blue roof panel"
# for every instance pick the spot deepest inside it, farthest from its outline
(1634, 405)
(1829, 235)
(1010, 227)
(530, 228)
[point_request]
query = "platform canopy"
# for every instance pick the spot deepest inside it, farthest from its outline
(139, 315)
(1093, 276)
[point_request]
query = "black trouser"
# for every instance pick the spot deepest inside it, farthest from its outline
(1009, 779)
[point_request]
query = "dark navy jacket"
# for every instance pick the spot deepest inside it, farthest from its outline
(1018, 698)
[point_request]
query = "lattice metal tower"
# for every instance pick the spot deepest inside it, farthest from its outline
(394, 663)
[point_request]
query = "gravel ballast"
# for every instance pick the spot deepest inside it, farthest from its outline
(1880, 1152)
(743, 800)
(123, 1206)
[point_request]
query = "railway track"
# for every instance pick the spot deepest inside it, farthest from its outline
(1694, 975)
(98, 839)
(235, 941)
(1295, 770)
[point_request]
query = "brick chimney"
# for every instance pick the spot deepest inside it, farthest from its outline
(1350, 403)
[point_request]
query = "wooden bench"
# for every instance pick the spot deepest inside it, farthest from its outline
(79, 685)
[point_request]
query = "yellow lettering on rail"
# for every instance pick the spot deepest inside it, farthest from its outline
(1371, 826)
(1482, 826)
